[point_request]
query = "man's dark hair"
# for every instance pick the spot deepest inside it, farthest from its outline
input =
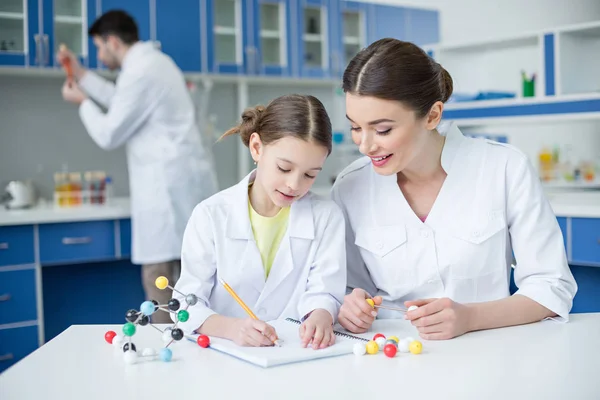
(117, 23)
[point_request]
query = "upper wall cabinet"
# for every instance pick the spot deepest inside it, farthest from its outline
(294, 38)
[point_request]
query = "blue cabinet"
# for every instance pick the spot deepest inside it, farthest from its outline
(387, 22)
(20, 39)
(125, 237)
(349, 24)
(422, 26)
(17, 296)
(16, 245)
(585, 240)
(227, 41)
(178, 32)
(313, 39)
(16, 344)
(77, 242)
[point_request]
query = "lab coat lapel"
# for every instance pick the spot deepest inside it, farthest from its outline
(239, 229)
(294, 246)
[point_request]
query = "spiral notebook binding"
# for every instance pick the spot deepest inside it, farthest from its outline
(337, 333)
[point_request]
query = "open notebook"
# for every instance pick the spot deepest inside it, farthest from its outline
(291, 350)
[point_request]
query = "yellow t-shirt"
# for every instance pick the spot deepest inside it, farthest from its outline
(268, 232)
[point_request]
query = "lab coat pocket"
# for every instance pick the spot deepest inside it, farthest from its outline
(383, 250)
(479, 246)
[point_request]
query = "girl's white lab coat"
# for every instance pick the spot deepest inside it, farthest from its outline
(309, 270)
(490, 205)
(150, 110)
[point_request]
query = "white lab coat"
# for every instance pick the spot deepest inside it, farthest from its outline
(309, 270)
(151, 112)
(490, 205)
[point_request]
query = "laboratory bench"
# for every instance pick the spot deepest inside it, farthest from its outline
(66, 266)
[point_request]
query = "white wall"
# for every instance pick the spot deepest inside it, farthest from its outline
(464, 20)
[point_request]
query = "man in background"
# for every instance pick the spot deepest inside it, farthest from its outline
(150, 111)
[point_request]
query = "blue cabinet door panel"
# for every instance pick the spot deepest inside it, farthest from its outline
(240, 64)
(16, 344)
(125, 233)
(77, 242)
(16, 245)
(585, 240)
(386, 22)
(178, 31)
(422, 26)
(17, 296)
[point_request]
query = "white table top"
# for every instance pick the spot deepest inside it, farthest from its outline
(546, 360)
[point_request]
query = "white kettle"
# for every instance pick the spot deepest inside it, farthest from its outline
(18, 194)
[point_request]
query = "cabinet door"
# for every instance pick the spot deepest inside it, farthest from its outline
(178, 32)
(228, 49)
(20, 39)
(139, 11)
(422, 26)
(386, 22)
(350, 34)
(65, 22)
(270, 37)
(313, 38)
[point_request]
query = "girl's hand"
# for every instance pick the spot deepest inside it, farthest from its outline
(356, 315)
(439, 319)
(251, 332)
(318, 328)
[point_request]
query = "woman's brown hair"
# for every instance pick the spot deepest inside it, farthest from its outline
(300, 116)
(391, 69)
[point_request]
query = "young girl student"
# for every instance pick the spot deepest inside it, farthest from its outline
(278, 246)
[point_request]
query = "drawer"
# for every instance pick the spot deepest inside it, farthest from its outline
(16, 245)
(16, 344)
(585, 240)
(125, 231)
(17, 296)
(562, 223)
(77, 241)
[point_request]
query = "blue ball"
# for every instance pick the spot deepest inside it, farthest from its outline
(166, 354)
(147, 308)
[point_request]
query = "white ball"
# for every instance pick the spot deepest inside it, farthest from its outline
(403, 346)
(360, 349)
(118, 341)
(148, 352)
(130, 357)
(166, 336)
(380, 342)
(410, 339)
(411, 308)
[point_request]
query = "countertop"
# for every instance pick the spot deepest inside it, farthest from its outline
(564, 204)
(544, 360)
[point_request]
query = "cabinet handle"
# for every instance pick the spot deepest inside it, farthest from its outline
(38, 48)
(4, 246)
(76, 240)
(5, 297)
(7, 357)
(46, 49)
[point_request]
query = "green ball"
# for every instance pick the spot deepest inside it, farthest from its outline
(129, 329)
(183, 315)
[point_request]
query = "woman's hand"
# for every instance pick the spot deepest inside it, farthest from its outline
(439, 319)
(356, 315)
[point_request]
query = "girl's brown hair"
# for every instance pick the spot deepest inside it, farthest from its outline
(300, 116)
(391, 69)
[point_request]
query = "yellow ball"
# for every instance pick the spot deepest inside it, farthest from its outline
(161, 282)
(371, 302)
(395, 339)
(415, 347)
(372, 347)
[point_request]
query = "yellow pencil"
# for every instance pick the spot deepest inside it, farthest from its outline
(241, 303)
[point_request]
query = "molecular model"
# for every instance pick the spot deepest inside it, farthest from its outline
(142, 318)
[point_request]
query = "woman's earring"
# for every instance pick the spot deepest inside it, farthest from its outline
(254, 162)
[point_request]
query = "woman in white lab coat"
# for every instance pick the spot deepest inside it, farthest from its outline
(433, 217)
(278, 246)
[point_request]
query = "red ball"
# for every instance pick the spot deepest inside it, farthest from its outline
(203, 341)
(109, 336)
(378, 336)
(390, 350)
